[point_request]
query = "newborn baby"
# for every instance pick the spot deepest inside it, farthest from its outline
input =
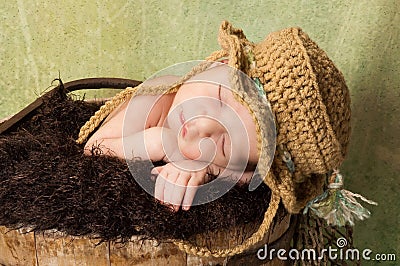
(199, 131)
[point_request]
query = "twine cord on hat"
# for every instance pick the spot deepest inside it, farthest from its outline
(337, 205)
(249, 242)
(142, 89)
(252, 64)
(103, 112)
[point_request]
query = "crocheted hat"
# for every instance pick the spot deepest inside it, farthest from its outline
(311, 104)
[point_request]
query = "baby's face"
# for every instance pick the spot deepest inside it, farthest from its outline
(212, 126)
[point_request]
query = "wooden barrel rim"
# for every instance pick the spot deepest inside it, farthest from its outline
(80, 84)
(19, 247)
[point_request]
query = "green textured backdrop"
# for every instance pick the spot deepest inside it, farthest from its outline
(133, 39)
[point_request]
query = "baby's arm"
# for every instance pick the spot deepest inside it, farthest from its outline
(140, 110)
(150, 144)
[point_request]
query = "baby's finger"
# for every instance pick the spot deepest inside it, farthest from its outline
(179, 189)
(159, 186)
(190, 192)
(169, 187)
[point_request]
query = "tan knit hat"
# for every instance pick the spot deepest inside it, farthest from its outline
(311, 104)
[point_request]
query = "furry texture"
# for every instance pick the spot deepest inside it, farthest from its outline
(47, 183)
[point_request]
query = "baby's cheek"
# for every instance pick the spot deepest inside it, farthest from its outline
(189, 151)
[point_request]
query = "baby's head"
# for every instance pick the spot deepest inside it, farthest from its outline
(212, 125)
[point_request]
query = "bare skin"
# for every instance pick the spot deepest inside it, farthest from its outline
(186, 130)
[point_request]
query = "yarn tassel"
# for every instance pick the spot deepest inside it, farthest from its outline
(337, 205)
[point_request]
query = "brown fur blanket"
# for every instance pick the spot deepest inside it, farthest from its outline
(47, 183)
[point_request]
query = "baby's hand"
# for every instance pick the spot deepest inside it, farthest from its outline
(176, 186)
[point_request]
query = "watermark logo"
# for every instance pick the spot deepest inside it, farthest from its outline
(341, 252)
(341, 242)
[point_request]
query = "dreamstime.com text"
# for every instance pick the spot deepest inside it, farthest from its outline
(340, 253)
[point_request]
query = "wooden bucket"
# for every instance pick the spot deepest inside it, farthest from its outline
(18, 247)
(21, 247)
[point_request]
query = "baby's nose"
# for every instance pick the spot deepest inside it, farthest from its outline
(208, 127)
